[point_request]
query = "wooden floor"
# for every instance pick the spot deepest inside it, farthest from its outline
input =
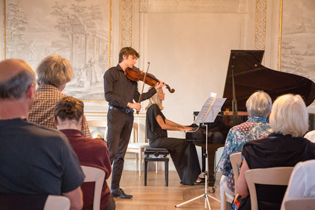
(156, 196)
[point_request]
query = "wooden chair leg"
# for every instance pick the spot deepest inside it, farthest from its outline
(145, 172)
(136, 158)
(156, 167)
(166, 173)
(140, 162)
(224, 202)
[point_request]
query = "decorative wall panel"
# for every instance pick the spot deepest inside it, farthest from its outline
(78, 30)
(127, 23)
(298, 38)
(260, 26)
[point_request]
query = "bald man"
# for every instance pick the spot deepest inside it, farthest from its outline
(34, 159)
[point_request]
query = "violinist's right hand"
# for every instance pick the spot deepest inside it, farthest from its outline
(159, 85)
(135, 106)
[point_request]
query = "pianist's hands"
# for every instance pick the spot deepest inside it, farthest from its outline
(186, 129)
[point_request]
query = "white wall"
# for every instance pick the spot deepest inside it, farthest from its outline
(192, 58)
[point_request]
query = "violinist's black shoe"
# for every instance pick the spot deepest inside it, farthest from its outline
(120, 193)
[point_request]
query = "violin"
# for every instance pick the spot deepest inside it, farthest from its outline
(135, 74)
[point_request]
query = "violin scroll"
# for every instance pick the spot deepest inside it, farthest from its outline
(171, 90)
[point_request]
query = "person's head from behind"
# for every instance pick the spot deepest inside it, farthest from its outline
(68, 113)
(17, 82)
(54, 70)
(157, 98)
(289, 116)
(129, 55)
(259, 104)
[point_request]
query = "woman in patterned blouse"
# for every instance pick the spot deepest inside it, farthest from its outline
(258, 107)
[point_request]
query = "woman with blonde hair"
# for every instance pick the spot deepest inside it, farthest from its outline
(284, 147)
(183, 154)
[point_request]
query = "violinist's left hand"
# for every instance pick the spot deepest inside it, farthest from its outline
(159, 85)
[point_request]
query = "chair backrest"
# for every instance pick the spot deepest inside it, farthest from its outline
(97, 123)
(218, 156)
(98, 176)
(134, 134)
(100, 128)
(300, 204)
(59, 202)
(267, 176)
(236, 160)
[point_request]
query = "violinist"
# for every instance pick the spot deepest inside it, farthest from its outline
(184, 155)
(122, 95)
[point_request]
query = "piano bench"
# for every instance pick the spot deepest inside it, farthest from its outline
(155, 154)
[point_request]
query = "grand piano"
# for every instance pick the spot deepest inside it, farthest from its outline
(245, 76)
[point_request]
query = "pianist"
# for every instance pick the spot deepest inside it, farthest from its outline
(258, 107)
(183, 154)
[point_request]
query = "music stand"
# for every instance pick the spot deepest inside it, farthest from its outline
(207, 114)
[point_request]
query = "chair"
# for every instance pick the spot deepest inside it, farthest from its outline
(21, 201)
(236, 160)
(59, 202)
(267, 176)
(300, 203)
(155, 154)
(98, 176)
(136, 147)
(100, 131)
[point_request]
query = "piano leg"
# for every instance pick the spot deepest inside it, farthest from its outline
(212, 148)
(203, 150)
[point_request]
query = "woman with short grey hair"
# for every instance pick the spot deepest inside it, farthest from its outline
(258, 106)
(53, 74)
(54, 70)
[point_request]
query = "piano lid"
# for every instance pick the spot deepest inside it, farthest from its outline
(251, 76)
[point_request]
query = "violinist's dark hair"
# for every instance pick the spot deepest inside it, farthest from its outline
(127, 51)
(69, 108)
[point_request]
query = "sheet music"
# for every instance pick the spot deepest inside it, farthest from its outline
(210, 109)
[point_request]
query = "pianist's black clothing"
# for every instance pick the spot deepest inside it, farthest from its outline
(183, 154)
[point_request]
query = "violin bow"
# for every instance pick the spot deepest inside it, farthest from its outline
(143, 85)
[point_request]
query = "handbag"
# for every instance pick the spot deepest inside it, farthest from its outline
(240, 202)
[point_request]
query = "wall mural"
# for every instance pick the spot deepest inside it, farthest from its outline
(298, 38)
(75, 29)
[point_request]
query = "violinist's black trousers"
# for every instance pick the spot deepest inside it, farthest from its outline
(119, 129)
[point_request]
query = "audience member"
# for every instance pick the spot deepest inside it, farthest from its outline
(302, 182)
(34, 160)
(284, 147)
(53, 73)
(258, 107)
(91, 152)
(183, 154)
